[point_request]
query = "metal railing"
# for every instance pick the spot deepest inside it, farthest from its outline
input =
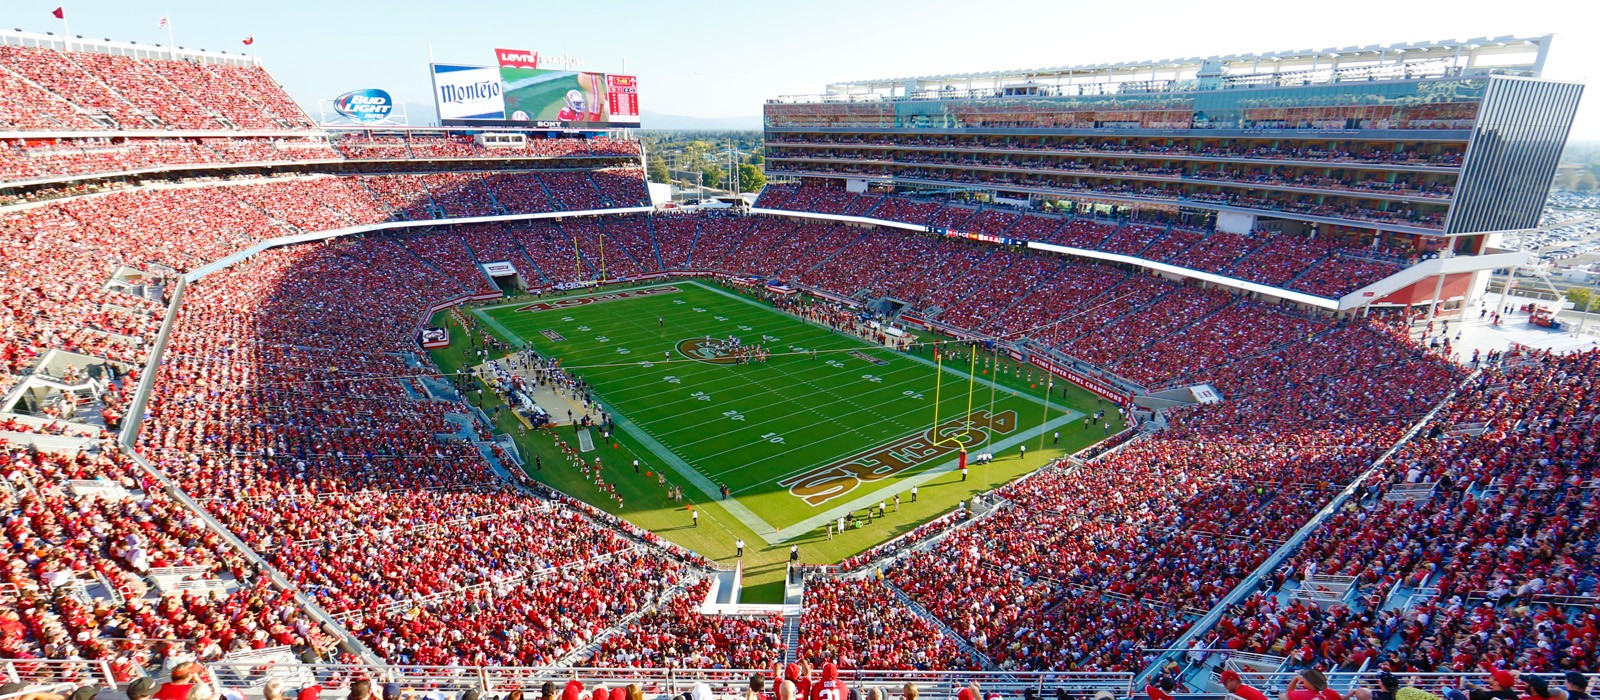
(251, 675)
(37, 672)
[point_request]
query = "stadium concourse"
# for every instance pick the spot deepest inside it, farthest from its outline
(284, 504)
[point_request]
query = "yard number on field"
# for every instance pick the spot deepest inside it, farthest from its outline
(733, 415)
(703, 396)
(875, 379)
(772, 437)
(672, 380)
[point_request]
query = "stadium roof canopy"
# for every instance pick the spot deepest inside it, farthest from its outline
(1503, 55)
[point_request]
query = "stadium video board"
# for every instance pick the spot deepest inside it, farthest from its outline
(525, 91)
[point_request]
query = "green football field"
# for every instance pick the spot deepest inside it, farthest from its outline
(799, 439)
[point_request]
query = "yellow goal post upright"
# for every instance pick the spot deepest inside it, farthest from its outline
(960, 439)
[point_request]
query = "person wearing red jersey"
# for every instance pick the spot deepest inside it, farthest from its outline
(800, 677)
(576, 110)
(1236, 686)
(830, 687)
(580, 107)
(1310, 685)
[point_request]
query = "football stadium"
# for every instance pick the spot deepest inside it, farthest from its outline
(1172, 378)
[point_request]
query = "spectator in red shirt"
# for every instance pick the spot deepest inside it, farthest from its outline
(831, 688)
(1310, 685)
(1161, 689)
(184, 678)
(1236, 686)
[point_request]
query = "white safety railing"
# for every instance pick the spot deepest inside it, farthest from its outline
(40, 672)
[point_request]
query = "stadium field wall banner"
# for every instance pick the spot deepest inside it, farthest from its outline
(1094, 386)
(468, 93)
(440, 306)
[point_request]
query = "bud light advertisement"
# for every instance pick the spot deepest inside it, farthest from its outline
(370, 106)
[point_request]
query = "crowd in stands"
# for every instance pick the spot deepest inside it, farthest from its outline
(1316, 152)
(77, 90)
(1357, 203)
(51, 90)
(1319, 266)
(859, 623)
(275, 407)
(1469, 549)
(427, 145)
(27, 159)
(677, 635)
(89, 540)
(1153, 534)
(940, 164)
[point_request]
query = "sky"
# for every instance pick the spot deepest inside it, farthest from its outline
(723, 59)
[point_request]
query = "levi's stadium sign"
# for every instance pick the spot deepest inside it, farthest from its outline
(365, 106)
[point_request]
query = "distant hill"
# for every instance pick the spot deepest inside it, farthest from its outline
(656, 120)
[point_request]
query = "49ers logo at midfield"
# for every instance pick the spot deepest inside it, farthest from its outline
(706, 351)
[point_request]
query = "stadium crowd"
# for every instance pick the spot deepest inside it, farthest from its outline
(288, 406)
(1318, 266)
(1468, 547)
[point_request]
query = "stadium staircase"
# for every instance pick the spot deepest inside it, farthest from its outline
(571, 658)
(1112, 229)
(609, 202)
(433, 208)
(1093, 301)
(655, 246)
(394, 214)
(873, 208)
(917, 609)
(791, 637)
(591, 266)
(1228, 269)
(1301, 274)
(1254, 582)
(545, 188)
(1176, 331)
(1043, 280)
(505, 229)
(934, 311)
(128, 104)
(493, 200)
(622, 243)
(688, 260)
(429, 264)
(836, 253)
(476, 263)
(1165, 233)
